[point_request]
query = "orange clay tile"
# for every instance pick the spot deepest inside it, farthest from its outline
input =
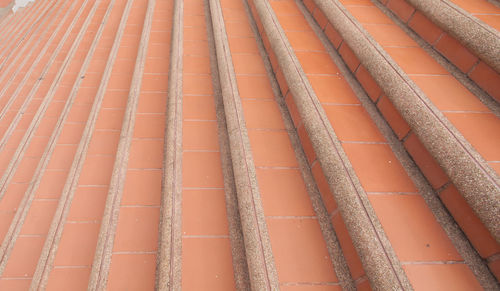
(437, 277)
(412, 229)
(401, 8)
(392, 116)
(352, 123)
(210, 260)
(456, 53)
(429, 167)
(378, 169)
(469, 222)
(307, 248)
(349, 57)
(476, 127)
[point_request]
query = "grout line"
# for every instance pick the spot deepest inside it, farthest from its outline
(363, 142)
(72, 267)
(204, 236)
(298, 284)
(135, 253)
(493, 258)
(472, 67)
(291, 217)
(201, 151)
(139, 206)
(276, 168)
(393, 193)
(406, 263)
(471, 112)
(202, 188)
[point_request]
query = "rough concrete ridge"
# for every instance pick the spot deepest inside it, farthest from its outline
(476, 35)
(476, 181)
(335, 251)
(240, 265)
(261, 267)
(168, 264)
(102, 259)
(379, 260)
